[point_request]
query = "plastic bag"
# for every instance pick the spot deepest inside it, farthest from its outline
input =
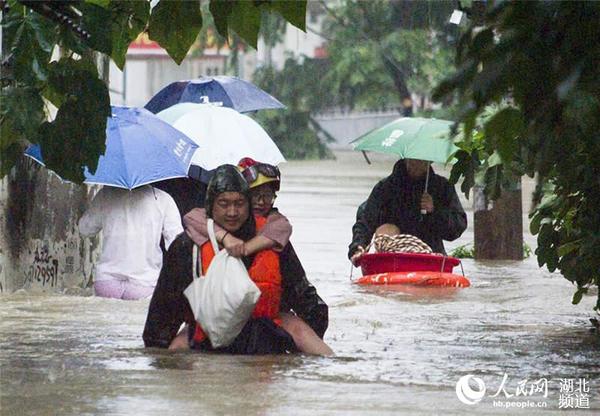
(223, 300)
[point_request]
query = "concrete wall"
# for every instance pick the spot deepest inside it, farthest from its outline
(347, 126)
(145, 75)
(40, 248)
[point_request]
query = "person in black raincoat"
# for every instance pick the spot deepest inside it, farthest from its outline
(400, 199)
(169, 308)
(188, 193)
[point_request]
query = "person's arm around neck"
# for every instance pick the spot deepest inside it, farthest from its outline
(238, 248)
(274, 235)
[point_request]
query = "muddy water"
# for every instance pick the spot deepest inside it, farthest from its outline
(398, 352)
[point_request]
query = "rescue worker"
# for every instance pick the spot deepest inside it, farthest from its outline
(264, 181)
(169, 308)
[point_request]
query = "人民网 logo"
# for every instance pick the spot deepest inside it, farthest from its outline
(466, 393)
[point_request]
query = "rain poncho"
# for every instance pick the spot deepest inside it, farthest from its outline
(397, 200)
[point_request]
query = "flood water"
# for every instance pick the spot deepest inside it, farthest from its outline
(397, 352)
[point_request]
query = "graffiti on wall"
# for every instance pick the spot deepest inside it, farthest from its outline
(43, 268)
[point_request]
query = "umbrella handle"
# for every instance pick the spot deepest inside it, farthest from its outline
(423, 211)
(366, 157)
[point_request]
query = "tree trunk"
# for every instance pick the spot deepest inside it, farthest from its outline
(499, 230)
(400, 83)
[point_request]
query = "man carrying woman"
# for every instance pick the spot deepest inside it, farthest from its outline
(228, 202)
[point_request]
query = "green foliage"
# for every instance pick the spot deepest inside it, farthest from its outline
(542, 59)
(293, 128)
(467, 251)
(373, 46)
(381, 51)
(244, 17)
(169, 14)
(480, 161)
(21, 112)
(80, 120)
(79, 31)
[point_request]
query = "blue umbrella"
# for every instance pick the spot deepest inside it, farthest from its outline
(232, 92)
(140, 149)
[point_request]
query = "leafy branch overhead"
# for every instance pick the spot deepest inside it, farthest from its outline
(537, 63)
(50, 53)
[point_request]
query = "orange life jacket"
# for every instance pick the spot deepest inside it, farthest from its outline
(264, 272)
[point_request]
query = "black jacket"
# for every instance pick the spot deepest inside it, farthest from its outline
(397, 200)
(169, 308)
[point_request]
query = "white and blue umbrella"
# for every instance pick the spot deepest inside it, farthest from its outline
(230, 92)
(140, 149)
(223, 135)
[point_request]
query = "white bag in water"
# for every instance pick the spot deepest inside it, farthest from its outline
(223, 300)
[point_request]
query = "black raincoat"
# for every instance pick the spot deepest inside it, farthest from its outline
(397, 200)
(169, 307)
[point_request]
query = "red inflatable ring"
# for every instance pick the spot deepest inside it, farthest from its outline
(420, 278)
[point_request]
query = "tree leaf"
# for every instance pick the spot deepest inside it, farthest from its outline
(503, 131)
(77, 135)
(534, 225)
(569, 247)
(31, 39)
(101, 3)
(21, 111)
(293, 11)
(465, 166)
(96, 20)
(533, 56)
(245, 21)
(493, 182)
(183, 14)
(578, 295)
(220, 11)
(129, 19)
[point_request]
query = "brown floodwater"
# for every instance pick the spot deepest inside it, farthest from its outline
(398, 351)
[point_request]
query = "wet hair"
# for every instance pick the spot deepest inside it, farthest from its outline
(228, 179)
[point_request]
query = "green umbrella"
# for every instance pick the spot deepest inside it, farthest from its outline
(410, 138)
